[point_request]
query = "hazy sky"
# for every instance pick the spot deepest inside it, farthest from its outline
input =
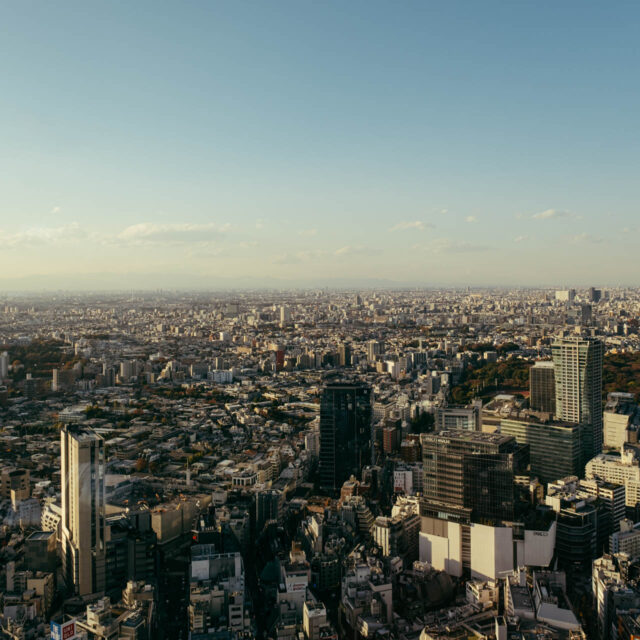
(425, 142)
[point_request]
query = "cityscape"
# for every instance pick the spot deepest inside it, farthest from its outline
(417, 464)
(319, 320)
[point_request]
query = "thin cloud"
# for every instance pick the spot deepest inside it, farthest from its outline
(149, 233)
(299, 257)
(416, 225)
(37, 236)
(552, 214)
(585, 238)
(56, 209)
(520, 238)
(350, 250)
(445, 245)
(471, 219)
(307, 233)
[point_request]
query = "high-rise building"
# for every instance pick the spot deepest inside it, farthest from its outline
(470, 474)
(285, 315)
(594, 295)
(374, 348)
(344, 355)
(542, 387)
(565, 295)
(83, 506)
(4, 365)
(578, 372)
(269, 506)
(555, 449)
(346, 411)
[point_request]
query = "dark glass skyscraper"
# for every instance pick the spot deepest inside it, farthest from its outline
(346, 411)
(542, 387)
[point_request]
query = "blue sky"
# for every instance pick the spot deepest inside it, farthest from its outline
(415, 142)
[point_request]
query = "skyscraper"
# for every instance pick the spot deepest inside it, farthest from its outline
(344, 355)
(470, 474)
(578, 372)
(83, 525)
(542, 387)
(374, 348)
(346, 411)
(4, 365)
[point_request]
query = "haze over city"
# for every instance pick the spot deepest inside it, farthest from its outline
(224, 144)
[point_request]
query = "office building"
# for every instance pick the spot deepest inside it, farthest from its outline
(4, 365)
(285, 315)
(555, 449)
(619, 468)
(626, 539)
(621, 420)
(269, 507)
(542, 387)
(565, 295)
(470, 471)
(83, 505)
(581, 524)
(14, 480)
(344, 355)
(40, 551)
(345, 432)
(594, 295)
(374, 349)
(578, 374)
(468, 418)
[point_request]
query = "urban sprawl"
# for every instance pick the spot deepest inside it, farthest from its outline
(315, 465)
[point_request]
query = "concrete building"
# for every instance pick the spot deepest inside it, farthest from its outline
(484, 552)
(83, 510)
(542, 387)
(468, 418)
(40, 551)
(12, 479)
(626, 539)
(619, 468)
(470, 470)
(578, 365)
(611, 592)
(621, 420)
(555, 449)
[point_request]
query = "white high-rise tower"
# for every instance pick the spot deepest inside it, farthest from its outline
(578, 365)
(83, 506)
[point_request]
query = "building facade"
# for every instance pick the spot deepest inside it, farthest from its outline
(578, 365)
(83, 506)
(345, 432)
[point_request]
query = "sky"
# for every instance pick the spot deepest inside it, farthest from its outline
(289, 143)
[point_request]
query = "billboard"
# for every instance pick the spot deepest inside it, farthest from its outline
(64, 631)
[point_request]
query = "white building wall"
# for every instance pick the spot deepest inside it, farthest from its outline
(491, 551)
(539, 546)
(443, 554)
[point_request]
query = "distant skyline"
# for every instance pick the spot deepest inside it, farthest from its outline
(165, 144)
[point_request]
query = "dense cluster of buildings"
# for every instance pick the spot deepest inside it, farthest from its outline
(295, 465)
